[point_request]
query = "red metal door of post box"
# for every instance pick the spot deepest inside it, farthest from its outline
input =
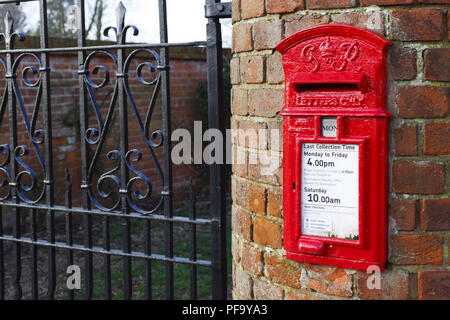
(335, 147)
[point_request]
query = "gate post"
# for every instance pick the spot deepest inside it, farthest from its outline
(214, 11)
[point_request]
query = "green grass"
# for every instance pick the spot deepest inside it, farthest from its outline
(158, 268)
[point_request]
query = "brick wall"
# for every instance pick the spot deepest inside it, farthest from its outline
(188, 68)
(418, 97)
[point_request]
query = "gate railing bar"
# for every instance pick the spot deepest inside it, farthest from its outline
(15, 1)
(108, 47)
(192, 240)
(48, 154)
(12, 104)
(2, 263)
(112, 252)
(131, 215)
(107, 259)
(69, 227)
(166, 114)
(34, 255)
(123, 122)
(84, 124)
(147, 263)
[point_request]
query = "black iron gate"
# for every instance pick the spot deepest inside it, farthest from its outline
(27, 195)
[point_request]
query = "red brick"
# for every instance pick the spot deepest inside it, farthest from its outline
(328, 280)
(250, 196)
(437, 64)
(240, 162)
(415, 249)
(275, 73)
(234, 124)
(252, 69)
(406, 141)
(58, 142)
(242, 37)
(243, 283)
(252, 259)
(371, 20)
(409, 25)
(403, 63)
(265, 167)
(436, 138)
(266, 102)
(285, 6)
(267, 34)
(384, 2)
(403, 211)
(252, 134)
(235, 11)
(275, 202)
(257, 199)
(327, 4)
(297, 295)
(435, 1)
(394, 286)
(276, 135)
(242, 223)
(235, 74)
(434, 285)
(267, 233)
(235, 249)
(252, 9)
(448, 25)
(435, 214)
(239, 102)
(263, 290)
(281, 271)
(423, 102)
(299, 22)
(418, 178)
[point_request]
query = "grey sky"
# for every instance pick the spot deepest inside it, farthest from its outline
(185, 19)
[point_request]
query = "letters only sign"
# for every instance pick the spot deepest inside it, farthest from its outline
(335, 137)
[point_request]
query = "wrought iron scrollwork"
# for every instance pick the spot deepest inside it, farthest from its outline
(110, 177)
(97, 136)
(5, 150)
(5, 154)
(23, 186)
(36, 136)
(9, 36)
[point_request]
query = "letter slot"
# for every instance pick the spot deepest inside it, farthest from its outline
(330, 82)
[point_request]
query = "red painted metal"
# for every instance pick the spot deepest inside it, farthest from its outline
(337, 71)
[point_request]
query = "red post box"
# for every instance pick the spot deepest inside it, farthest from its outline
(335, 146)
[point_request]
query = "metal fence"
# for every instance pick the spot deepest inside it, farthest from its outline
(122, 192)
